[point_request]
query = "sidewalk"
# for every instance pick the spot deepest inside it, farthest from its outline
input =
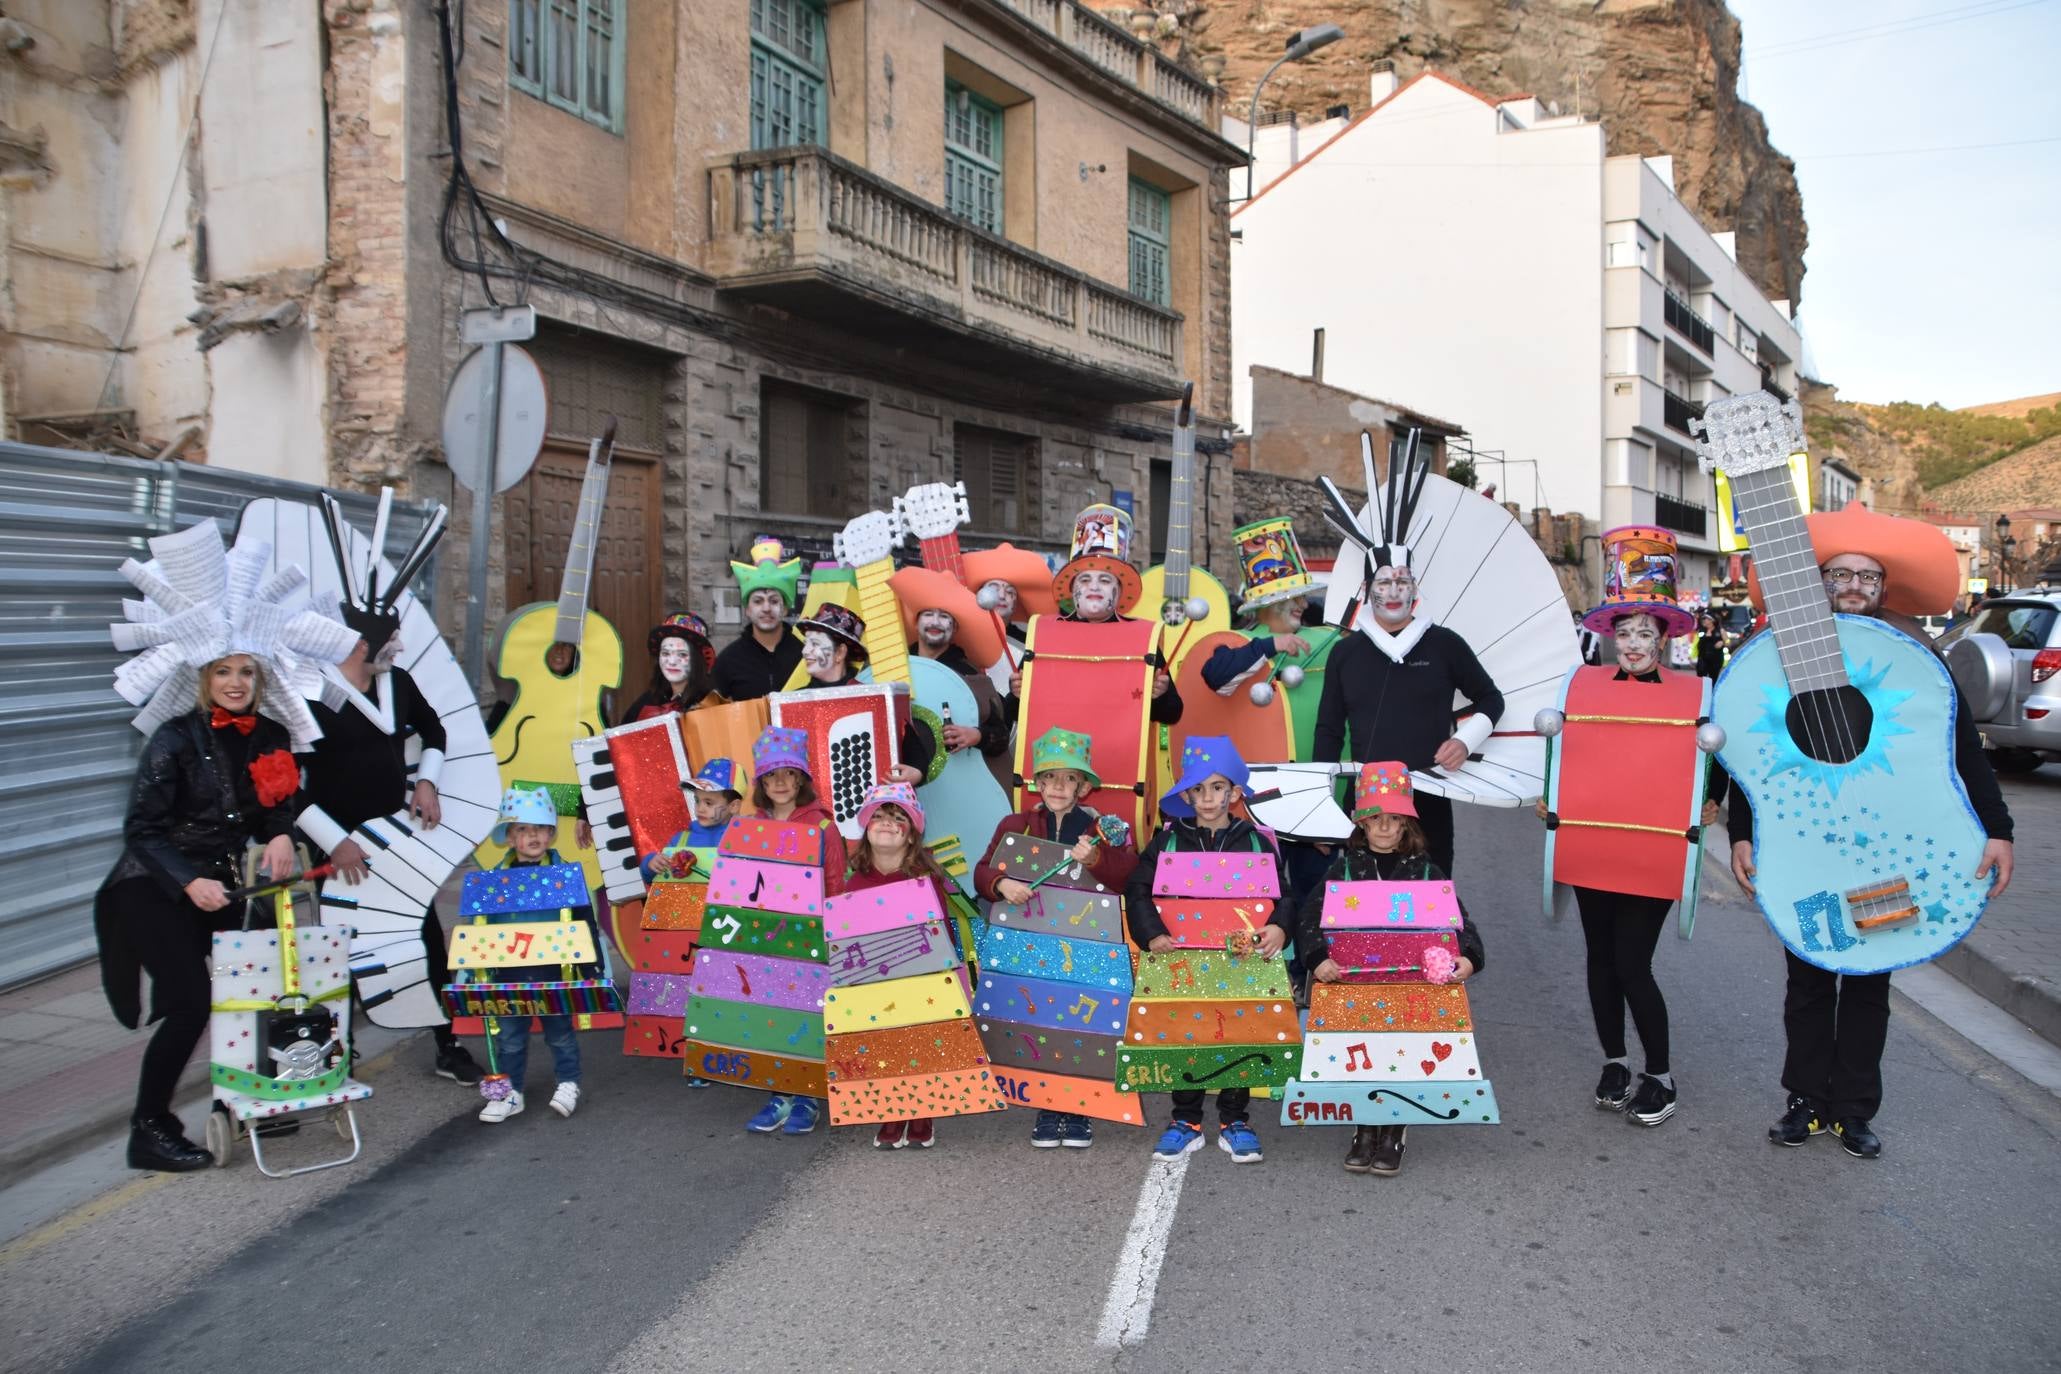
(2013, 956)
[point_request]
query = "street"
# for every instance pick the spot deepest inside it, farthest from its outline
(651, 1232)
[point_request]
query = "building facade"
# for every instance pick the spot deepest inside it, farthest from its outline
(808, 254)
(1483, 257)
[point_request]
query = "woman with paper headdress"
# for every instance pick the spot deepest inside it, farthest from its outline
(215, 777)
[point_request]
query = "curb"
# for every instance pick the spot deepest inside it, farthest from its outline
(2034, 1002)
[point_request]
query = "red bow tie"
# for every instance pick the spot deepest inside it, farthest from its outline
(222, 720)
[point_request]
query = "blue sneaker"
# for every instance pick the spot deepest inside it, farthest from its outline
(1076, 1132)
(771, 1115)
(802, 1119)
(699, 1083)
(1236, 1139)
(1179, 1139)
(1047, 1131)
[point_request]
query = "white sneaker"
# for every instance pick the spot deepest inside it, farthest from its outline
(566, 1100)
(501, 1108)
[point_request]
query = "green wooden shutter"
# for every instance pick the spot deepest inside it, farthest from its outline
(570, 53)
(973, 157)
(1151, 219)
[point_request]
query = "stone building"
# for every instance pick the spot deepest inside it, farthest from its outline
(809, 254)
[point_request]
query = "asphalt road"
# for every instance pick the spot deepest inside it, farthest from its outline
(650, 1232)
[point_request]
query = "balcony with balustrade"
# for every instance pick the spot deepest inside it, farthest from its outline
(819, 236)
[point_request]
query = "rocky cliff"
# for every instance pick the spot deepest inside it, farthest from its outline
(1661, 74)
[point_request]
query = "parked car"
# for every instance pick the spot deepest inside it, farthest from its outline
(1736, 617)
(2007, 660)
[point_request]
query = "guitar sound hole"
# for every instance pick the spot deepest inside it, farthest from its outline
(562, 659)
(1830, 724)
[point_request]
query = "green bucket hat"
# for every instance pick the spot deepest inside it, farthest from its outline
(1058, 748)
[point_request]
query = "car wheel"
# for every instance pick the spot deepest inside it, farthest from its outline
(2013, 760)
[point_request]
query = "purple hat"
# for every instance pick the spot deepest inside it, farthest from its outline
(779, 747)
(1204, 757)
(891, 794)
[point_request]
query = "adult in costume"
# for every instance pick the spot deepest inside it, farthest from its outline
(369, 708)
(1624, 903)
(758, 662)
(946, 625)
(212, 645)
(1020, 584)
(1099, 585)
(833, 650)
(1276, 590)
(1391, 680)
(1890, 570)
(683, 665)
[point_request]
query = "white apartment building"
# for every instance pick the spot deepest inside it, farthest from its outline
(1484, 258)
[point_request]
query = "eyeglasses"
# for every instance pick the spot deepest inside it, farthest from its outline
(1845, 577)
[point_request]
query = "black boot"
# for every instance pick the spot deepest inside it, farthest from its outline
(1360, 1158)
(160, 1143)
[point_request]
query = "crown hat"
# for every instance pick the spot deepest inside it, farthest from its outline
(1640, 563)
(1270, 564)
(1384, 789)
(1101, 543)
(202, 603)
(770, 569)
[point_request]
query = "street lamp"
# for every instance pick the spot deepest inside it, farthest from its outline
(1301, 44)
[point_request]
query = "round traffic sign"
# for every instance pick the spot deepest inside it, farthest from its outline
(523, 409)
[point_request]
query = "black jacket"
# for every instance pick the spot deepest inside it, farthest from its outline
(1141, 913)
(357, 771)
(1356, 864)
(193, 806)
(1390, 710)
(746, 670)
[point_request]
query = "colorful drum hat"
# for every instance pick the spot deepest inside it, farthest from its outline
(1101, 543)
(1271, 563)
(1639, 566)
(1385, 789)
(683, 625)
(839, 623)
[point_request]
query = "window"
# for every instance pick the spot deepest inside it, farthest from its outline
(787, 73)
(2019, 625)
(1151, 218)
(973, 157)
(805, 451)
(566, 52)
(1000, 471)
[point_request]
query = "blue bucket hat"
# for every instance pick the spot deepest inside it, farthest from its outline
(717, 775)
(1203, 756)
(524, 806)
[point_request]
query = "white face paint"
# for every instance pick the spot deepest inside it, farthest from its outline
(819, 655)
(388, 655)
(1638, 643)
(1395, 597)
(765, 609)
(1094, 594)
(672, 659)
(1005, 597)
(934, 629)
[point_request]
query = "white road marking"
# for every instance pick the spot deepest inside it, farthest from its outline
(1127, 1315)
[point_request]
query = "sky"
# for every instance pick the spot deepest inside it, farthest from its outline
(1931, 275)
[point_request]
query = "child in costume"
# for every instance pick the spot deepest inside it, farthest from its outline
(713, 795)
(528, 825)
(1059, 766)
(1200, 806)
(781, 791)
(1387, 846)
(891, 850)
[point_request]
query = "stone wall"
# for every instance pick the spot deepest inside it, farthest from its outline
(1305, 428)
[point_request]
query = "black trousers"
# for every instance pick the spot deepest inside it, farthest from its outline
(1231, 1105)
(1621, 930)
(437, 964)
(1435, 814)
(1837, 1027)
(141, 928)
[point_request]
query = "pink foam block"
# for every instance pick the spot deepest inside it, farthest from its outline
(1216, 875)
(794, 889)
(1391, 906)
(757, 837)
(760, 979)
(911, 902)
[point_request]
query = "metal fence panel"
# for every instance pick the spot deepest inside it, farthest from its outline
(67, 520)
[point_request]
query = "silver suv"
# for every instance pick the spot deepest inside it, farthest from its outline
(2007, 661)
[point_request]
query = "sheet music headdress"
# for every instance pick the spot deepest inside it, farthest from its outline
(1391, 510)
(203, 603)
(367, 607)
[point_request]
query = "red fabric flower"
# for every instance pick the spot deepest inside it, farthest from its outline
(277, 776)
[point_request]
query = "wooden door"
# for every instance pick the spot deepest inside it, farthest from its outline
(628, 586)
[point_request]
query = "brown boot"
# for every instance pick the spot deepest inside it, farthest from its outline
(1388, 1150)
(1360, 1158)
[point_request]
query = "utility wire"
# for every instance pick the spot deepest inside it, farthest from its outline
(1888, 29)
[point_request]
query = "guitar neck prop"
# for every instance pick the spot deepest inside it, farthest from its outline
(579, 555)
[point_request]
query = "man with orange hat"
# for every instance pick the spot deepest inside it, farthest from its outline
(1020, 585)
(1837, 1024)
